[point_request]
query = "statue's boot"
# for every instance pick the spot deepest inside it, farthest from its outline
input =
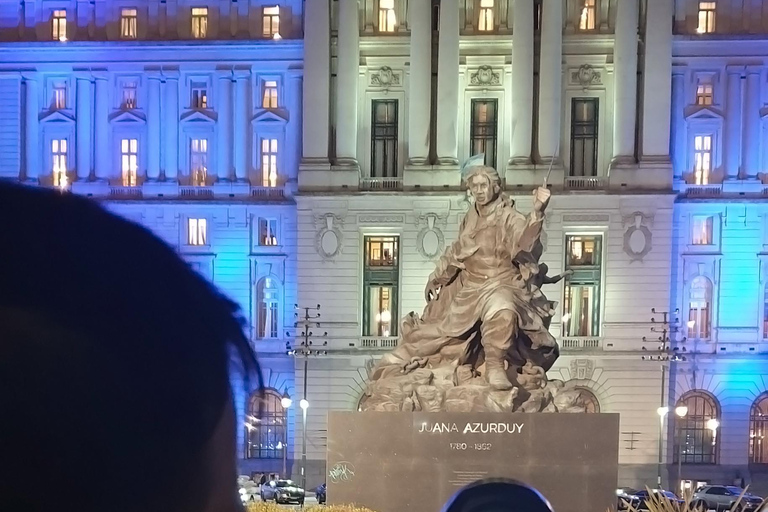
(497, 376)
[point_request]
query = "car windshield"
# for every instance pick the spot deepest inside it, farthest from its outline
(285, 483)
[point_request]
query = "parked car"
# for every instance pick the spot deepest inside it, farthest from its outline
(282, 491)
(724, 497)
(637, 500)
(627, 498)
(320, 494)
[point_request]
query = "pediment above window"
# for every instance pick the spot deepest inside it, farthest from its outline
(57, 116)
(269, 118)
(127, 117)
(198, 117)
(705, 114)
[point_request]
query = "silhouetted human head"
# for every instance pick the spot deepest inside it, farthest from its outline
(115, 361)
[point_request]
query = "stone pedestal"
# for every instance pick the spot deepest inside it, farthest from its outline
(395, 461)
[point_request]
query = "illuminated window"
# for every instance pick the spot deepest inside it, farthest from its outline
(581, 293)
(584, 133)
(59, 25)
(704, 94)
(198, 161)
(483, 130)
(266, 426)
(199, 95)
(129, 161)
(758, 429)
(485, 22)
(128, 24)
(702, 158)
(197, 232)
(381, 280)
(700, 308)
(268, 162)
(60, 96)
(269, 99)
(59, 162)
(130, 94)
(706, 17)
(271, 21)
(387, 16)
(588, 15)
(267, 308)
(384, 139)
(199, 22)
(696, 436)
(588, 400)
(702, 230)
(267, 232)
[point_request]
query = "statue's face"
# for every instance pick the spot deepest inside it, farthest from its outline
(481, 189)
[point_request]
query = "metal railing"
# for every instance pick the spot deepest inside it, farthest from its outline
(585, 182)
(268, 192)
(703, 190)
(133, 192)
(188, 192)
(381, 183)
(378, 342)
(586, 343)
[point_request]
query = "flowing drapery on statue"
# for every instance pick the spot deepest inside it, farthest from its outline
(483, 342)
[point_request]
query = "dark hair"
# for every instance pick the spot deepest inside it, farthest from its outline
(115, 360)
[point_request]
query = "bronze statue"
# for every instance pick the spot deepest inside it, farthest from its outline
(483, 342)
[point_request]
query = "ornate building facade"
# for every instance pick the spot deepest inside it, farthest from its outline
(184, 118)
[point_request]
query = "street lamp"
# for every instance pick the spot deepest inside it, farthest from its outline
(681, 411)
(662, 412)
(713, 425)
(286, 403)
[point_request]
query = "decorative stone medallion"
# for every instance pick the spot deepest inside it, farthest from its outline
(582, 369)
(430, 240)
(484, 76)
(637, 238)
(328, 240)
(385, 77)
(586, 76)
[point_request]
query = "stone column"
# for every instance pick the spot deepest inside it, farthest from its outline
(32, 129)
(171, 141)
(317, 65)
(419, 82)
(153, 129)
(242, 127)
(448, 84)
(224, 127)
(522, 82)
(678, 144)
(751, 142)
(625, 84)
(101, 143)
(83, 127)
(550, 80)
(346, 83)
(657, 90)
(732, 135)
(293, 104)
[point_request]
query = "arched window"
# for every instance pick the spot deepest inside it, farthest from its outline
(266, 426)
(267, 303)
(758, 428)
(700, 308)
(696, 434)
(588, 400)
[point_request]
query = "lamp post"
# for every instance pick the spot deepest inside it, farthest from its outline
(664, 354)
(286, 403)
(305, 349)
(681, 412)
